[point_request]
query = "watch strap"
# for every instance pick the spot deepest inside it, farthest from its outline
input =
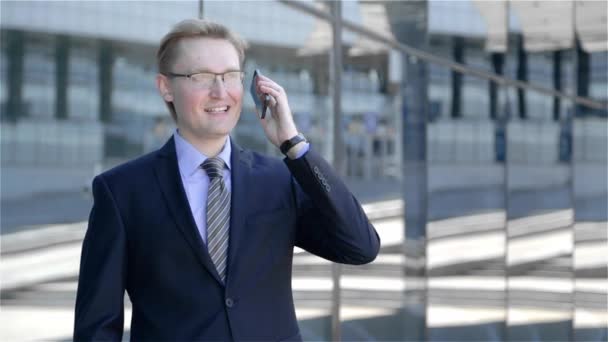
(288, 144)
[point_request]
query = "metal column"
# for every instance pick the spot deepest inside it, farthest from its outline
(338, 156)
(408, 20)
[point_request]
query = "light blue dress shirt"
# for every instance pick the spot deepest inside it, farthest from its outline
(195, 179)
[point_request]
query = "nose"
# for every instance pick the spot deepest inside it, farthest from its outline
(218, 89)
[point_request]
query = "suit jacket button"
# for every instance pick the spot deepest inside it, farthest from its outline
(229, 302)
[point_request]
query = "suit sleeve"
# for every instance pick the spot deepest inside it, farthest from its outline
(331, 222)
(101, 282)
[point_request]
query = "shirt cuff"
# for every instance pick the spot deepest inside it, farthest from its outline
(299, 151)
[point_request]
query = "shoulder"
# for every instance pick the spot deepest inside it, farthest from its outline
(127, 172)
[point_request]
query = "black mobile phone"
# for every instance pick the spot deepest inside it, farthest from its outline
(261, 100)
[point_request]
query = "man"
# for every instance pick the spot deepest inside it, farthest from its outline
(201, 232)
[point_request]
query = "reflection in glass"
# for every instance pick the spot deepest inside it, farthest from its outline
(539, 230)
(466, 224)
(591, 229)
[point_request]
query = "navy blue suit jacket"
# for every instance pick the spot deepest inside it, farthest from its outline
(142, 238)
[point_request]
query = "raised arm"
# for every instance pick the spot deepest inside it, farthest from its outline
(331, 222)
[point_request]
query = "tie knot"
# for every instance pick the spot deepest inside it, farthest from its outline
(213, 167)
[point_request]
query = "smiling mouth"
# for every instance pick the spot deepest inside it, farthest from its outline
(215, 110)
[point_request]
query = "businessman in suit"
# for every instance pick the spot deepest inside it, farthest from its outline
(201, 232)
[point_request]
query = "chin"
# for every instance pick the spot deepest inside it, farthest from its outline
(219, 133)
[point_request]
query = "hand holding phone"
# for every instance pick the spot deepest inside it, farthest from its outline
(267, 93)
(261, 100)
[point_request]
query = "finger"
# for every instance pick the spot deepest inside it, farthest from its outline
(271, 91)
(271, 85)
(273, 101)
(262, 77)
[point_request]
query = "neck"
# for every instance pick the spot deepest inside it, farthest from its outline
(209, 146)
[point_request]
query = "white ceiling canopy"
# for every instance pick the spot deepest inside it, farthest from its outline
(547, 25)
(592, 24)
(373, 14)
(494, 14)
(320, 39)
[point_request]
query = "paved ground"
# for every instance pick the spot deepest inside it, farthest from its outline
(44, 209)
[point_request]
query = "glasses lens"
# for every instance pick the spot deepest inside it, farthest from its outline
(203, 79)
(233, 78)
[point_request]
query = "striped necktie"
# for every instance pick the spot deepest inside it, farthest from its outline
(218, 214)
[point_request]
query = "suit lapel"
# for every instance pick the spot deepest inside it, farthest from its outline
(241, 173)
(168, 176)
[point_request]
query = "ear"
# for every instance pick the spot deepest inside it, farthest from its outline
(162, 83)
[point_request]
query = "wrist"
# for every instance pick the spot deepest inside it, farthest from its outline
(292, 142)
(287, 136)
(296, 150)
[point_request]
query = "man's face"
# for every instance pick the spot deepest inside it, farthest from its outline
(204, 113)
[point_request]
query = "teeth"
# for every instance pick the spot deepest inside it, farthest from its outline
(217, 109)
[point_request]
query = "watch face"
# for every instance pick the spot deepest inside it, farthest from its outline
(288, 144)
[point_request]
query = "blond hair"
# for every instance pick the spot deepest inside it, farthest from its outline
(193, 28)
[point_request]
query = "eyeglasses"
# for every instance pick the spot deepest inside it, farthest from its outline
(206, 80)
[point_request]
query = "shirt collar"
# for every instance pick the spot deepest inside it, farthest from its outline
(190, 159)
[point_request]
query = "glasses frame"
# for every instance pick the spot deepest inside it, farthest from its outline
(216, 75)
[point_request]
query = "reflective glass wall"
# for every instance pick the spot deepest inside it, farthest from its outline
(466, 244)
(540, 209)
(490, 200)
(590, 195)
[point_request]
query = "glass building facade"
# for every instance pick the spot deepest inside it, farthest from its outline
(491, 200)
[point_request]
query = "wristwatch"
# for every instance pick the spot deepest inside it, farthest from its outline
(288, 144)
